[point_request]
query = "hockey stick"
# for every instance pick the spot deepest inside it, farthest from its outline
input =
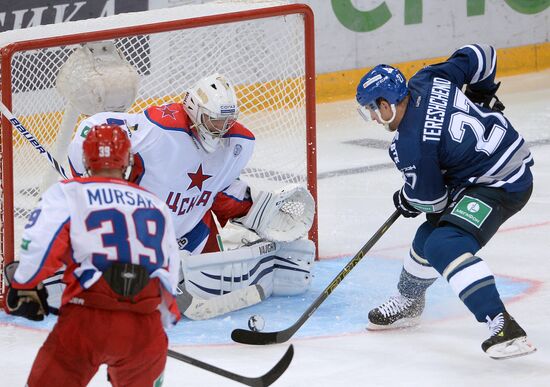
(32, 140)
(261, 338)
(265, 380)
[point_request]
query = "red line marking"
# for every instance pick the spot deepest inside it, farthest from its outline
(407, 246)
(516, 228)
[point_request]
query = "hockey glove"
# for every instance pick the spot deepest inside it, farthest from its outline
(403, 206)
(487, 99)
(29, 303)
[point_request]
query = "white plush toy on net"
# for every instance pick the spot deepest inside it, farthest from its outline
(283, 215)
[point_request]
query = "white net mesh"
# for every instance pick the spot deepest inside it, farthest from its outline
(264, 58)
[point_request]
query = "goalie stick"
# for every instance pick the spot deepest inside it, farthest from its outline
(32, 140)
(262, 338)
(196, 308)
(265, 380)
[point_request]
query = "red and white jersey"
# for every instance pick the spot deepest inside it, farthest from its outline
(88, 223)
(170, 163)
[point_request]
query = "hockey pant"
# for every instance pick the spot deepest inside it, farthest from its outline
(133, 345)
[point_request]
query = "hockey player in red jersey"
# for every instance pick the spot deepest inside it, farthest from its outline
(117, 243)
(191, 155)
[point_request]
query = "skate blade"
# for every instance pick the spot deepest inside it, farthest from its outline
(404, 323)
(510, 349)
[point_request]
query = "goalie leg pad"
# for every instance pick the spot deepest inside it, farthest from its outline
(292, 274)
(290, 261)
(211, 281)
(290, 282)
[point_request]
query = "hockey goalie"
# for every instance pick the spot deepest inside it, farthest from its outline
(191, 155)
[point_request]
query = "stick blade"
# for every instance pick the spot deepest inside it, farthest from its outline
(279, 369)
(245, 336)
(265, 380)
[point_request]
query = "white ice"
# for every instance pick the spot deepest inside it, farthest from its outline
(353, 203)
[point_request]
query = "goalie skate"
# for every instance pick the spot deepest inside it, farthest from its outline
(507, 339)
(396, 313)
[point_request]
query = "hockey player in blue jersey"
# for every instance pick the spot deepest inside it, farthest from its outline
(467, 169)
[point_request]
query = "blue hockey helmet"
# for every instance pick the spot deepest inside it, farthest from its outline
(383, 81)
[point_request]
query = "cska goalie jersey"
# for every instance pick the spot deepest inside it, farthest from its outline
(445, 142)
(88, 223)
(169, 162)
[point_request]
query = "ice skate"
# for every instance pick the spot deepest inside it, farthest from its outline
(507, 339)
(398, 312)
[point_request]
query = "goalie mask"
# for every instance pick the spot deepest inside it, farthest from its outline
(212, 106)
(106, 147)
(383, 81)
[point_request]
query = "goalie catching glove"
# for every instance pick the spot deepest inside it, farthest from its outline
(284, 215)
(97, 78)
(29, 303)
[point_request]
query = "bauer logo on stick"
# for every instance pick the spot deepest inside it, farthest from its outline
(27, 135)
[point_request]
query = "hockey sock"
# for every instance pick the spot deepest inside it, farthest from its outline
(450, 250)
(411, 286)
(417, 274)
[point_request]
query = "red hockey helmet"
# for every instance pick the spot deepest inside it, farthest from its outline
(106, 147)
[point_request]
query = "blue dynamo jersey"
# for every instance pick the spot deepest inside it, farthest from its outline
(445, 142)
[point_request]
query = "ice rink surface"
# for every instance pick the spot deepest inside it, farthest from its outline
(356, 181)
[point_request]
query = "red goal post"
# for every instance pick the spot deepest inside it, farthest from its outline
(265, 48)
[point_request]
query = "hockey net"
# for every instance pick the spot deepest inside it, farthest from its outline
(266, 50)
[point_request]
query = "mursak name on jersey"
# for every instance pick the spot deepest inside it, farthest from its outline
(437, 107)
(109, 196)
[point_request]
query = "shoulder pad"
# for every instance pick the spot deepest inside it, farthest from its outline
(238, 130)
(170, 117)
